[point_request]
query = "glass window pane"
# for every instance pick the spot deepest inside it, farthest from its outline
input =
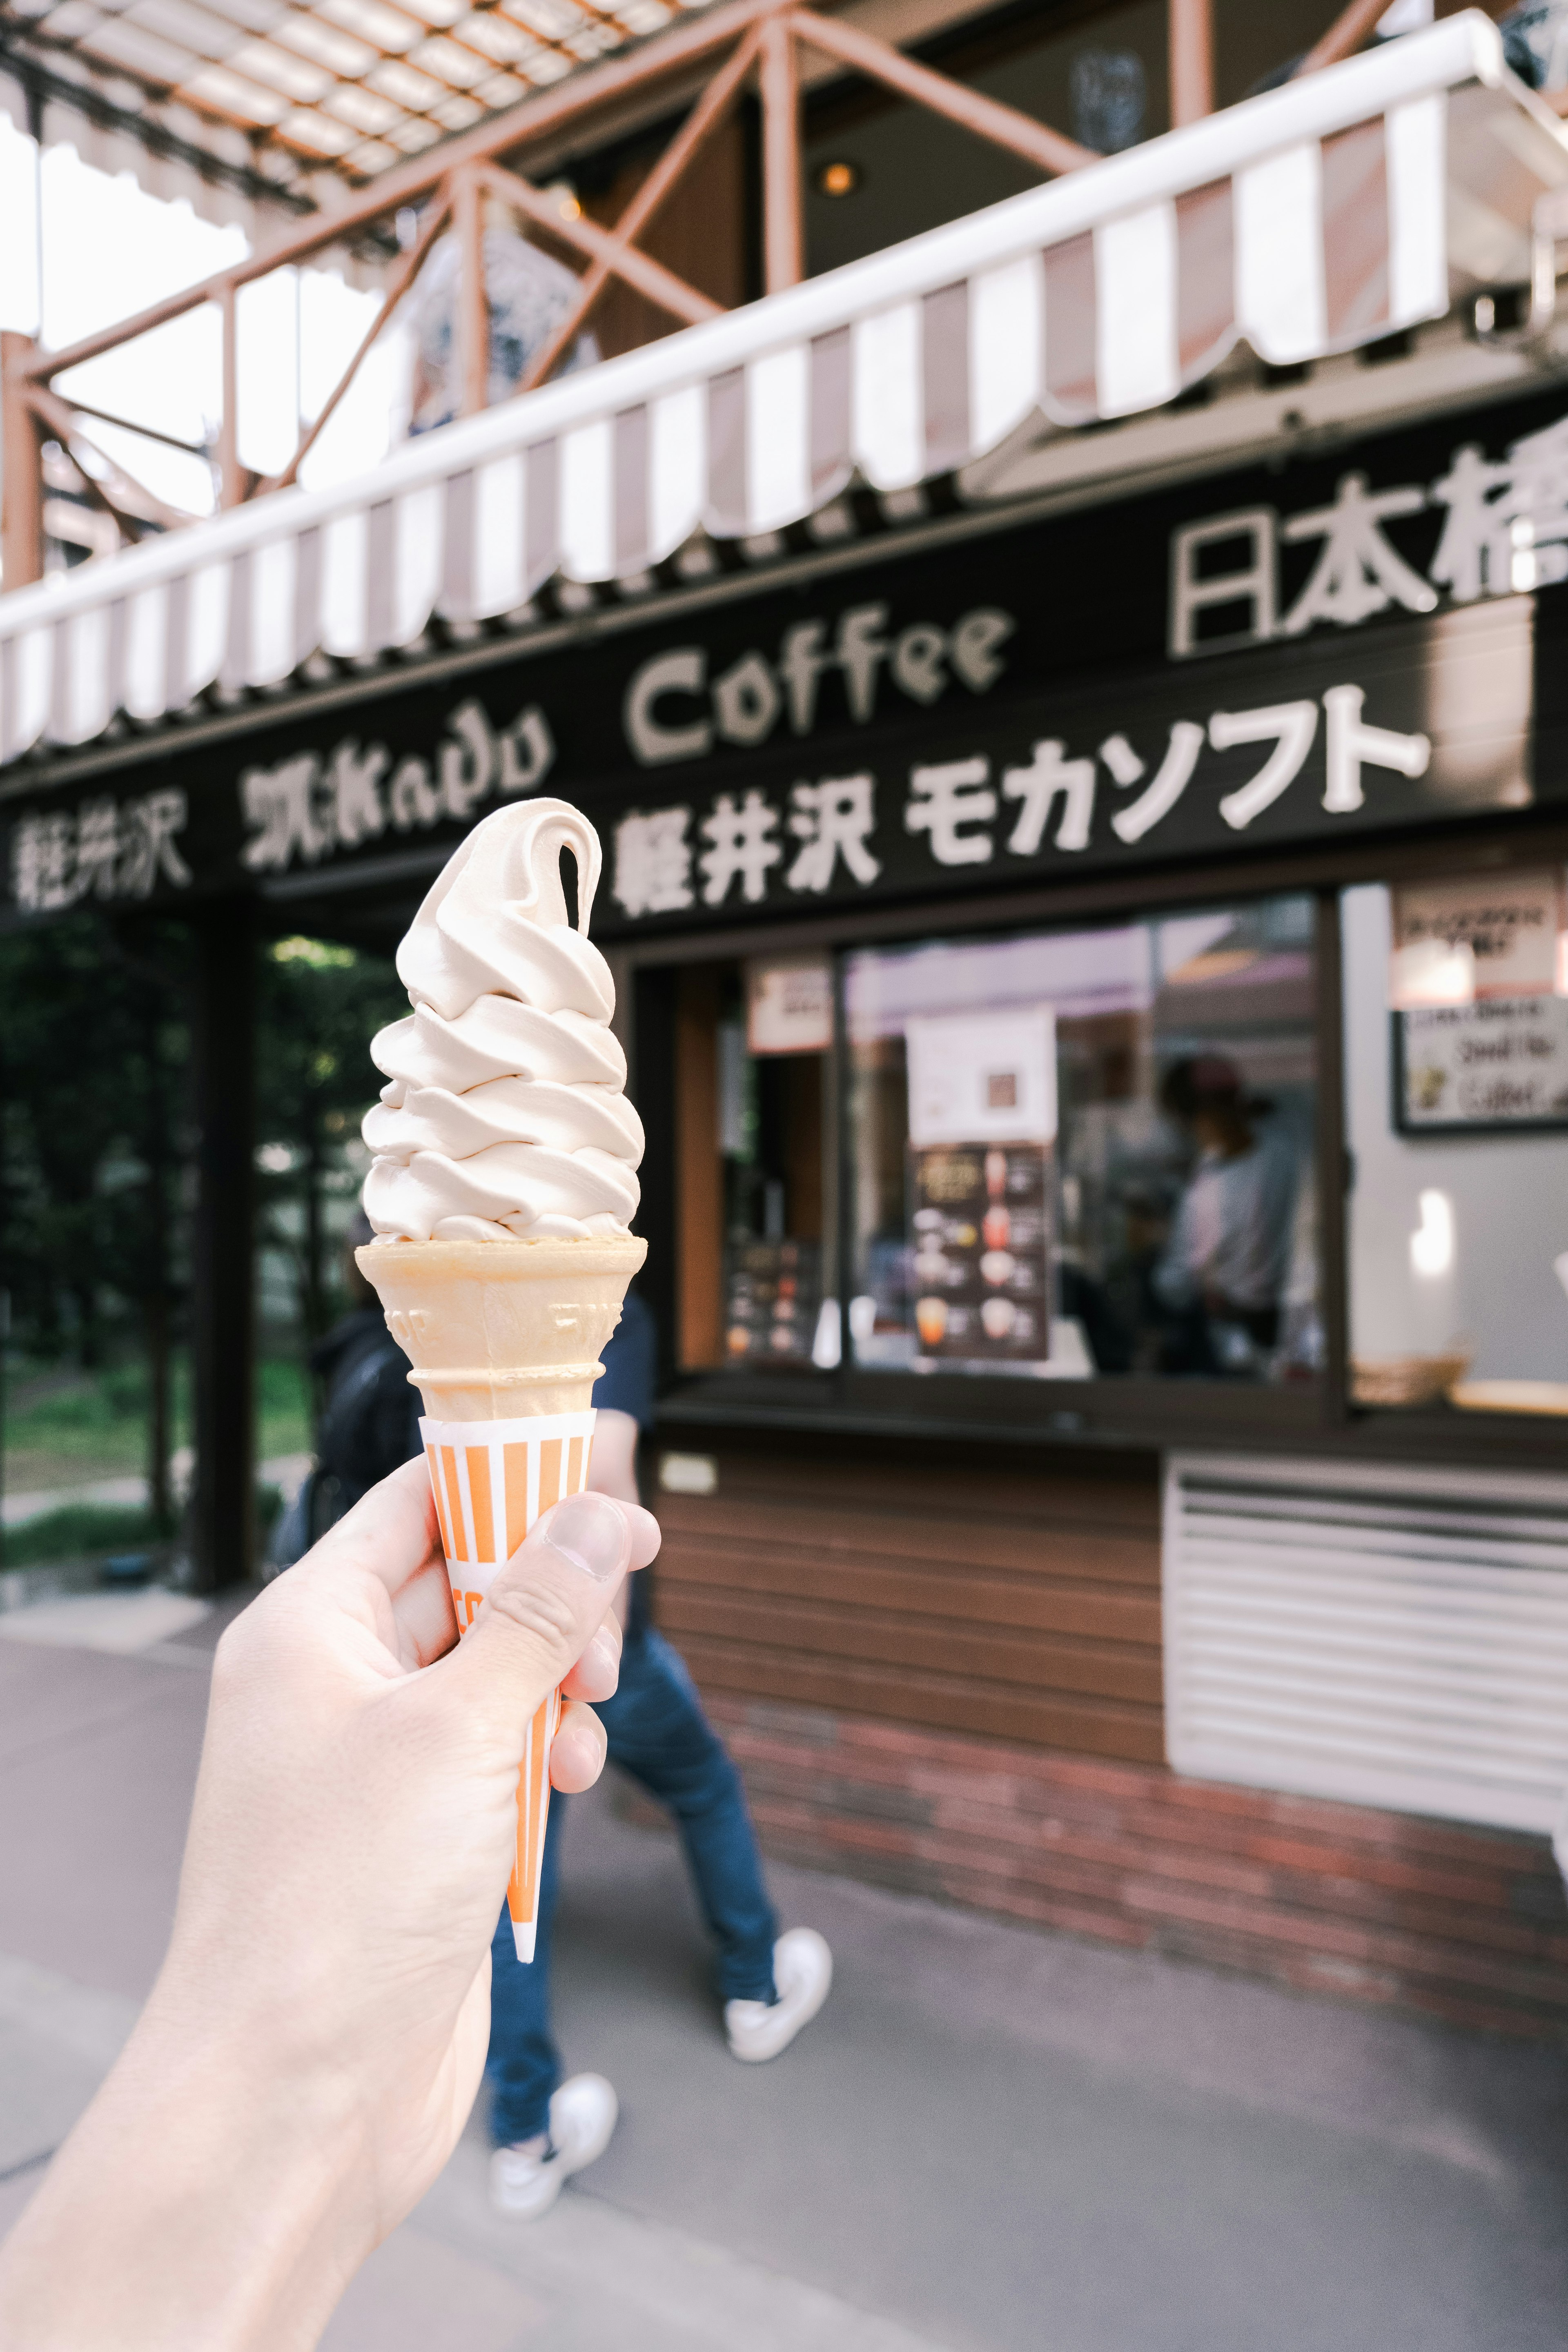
(1089, 1153)
(754, 1165)
(1457, 1120)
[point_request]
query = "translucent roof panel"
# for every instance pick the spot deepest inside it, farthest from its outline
(351, 85)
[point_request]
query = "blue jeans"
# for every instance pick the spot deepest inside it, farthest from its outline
(659, 1733)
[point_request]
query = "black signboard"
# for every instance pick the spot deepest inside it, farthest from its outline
(1004, 709)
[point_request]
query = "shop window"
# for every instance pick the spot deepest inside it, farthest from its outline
(754, 1171)
(1087, 1154)
(1456, 996)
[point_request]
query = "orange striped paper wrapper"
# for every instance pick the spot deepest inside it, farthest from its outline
(491, 1480)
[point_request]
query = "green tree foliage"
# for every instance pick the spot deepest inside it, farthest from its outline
(320, 1005)
(98, 1133)
(94, 1079)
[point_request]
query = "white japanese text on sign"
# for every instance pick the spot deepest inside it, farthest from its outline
(105, 849)
(1505, 531)
(969, 813)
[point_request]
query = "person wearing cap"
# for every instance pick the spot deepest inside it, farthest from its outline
(1223, 1273)
(771, 1985)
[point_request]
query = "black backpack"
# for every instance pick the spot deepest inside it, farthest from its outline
(369, 1425)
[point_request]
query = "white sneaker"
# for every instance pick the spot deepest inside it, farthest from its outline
(802, 1972)
(525, 2182)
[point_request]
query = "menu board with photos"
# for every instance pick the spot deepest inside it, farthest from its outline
(771, 1298)
(980, 1228)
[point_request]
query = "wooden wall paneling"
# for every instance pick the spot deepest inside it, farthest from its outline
(810, 1516)
(699, 1175)
(1108, 1494)
(1008, 1605)
(937, 1702)
(970, 1652)
(1035, 1604)
(1332, 1159)
(825, 1545)
(819, 1545)
(646, 1003)
(804, 1078)
(700, 232)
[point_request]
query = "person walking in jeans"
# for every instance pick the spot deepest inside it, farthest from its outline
(771, 1985)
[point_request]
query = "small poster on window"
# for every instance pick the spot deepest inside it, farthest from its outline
(789, 1005)
(1471, 940)
(982, 1077)
(772, 1295)
(1500, 1063)
(981, 1236)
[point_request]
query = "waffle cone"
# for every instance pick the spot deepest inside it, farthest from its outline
(502, 1330)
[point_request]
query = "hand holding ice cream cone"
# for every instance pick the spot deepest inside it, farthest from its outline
(501, 1191)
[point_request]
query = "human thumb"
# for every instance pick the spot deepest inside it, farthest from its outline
(545, 1605)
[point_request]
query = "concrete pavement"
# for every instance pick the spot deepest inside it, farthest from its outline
(284, 1471)
(991, 2141)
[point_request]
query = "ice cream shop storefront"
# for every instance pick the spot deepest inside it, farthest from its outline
(1083, 765)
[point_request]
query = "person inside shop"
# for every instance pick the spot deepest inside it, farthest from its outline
(369, 1421)
(311, 2048)
(528, 294)
(771, 1985)
(1222, 1275)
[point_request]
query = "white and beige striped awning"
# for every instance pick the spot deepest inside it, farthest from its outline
(1315, 219)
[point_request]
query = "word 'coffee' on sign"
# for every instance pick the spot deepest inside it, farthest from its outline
(673, 710)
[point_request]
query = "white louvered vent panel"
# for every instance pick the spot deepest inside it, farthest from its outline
(1393, 1637)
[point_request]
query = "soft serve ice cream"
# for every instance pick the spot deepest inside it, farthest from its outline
(503, 1183)
(503, 1117)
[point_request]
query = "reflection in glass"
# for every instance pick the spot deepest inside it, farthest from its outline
(1145, 1205)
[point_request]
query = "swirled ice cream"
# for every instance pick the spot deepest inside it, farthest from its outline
(503, 1116)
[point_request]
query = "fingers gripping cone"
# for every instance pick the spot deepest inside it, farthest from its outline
(487, 1496)
(504, 1338)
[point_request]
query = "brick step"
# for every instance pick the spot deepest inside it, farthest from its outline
(1534, 1975)
(947, 1759)
(895, 1793)
(1005, 1847)
(1466, 1924)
